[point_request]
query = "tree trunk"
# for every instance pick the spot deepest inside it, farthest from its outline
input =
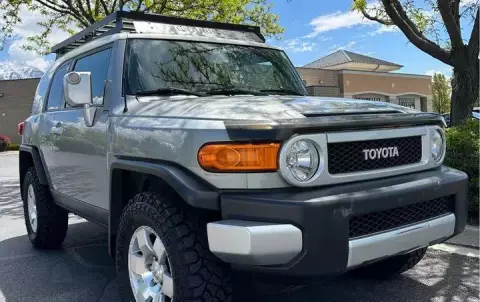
(464, 93)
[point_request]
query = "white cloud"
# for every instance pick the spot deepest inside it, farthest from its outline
(337, 20)
(27, 28)
(30, 58)
(384, 29)
(297, 45)
(337, 47)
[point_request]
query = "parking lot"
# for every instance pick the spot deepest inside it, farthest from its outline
(83, 270)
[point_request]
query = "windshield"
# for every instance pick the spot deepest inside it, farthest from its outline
(208, 68)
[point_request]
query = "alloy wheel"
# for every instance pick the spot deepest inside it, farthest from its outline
(32, 208)
(149, 268)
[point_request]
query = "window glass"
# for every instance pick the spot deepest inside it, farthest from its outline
(202, 67)
(40, 94)
(407, 102)
(55, 96)
(97, 64)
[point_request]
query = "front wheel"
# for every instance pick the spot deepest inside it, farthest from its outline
(162, 253)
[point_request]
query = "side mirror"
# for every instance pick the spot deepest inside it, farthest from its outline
(77, 87)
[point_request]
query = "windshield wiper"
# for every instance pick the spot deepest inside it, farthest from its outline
(232, 91)
(168, 91)
(282, 91)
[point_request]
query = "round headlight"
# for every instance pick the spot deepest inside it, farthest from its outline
(436, 145)
(302, 160)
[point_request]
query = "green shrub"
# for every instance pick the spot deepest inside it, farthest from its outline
(14, 147)
(463, 145)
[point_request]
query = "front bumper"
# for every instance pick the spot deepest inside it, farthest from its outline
(300, 232)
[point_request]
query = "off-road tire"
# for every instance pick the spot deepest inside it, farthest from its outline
(393, 266)
(52, 220)
(197, 274)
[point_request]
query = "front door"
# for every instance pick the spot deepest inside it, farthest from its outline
(82, 151)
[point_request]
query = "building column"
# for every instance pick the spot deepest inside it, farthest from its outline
(393, 100)
(418, 104)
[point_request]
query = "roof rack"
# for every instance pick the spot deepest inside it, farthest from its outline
(123, 21)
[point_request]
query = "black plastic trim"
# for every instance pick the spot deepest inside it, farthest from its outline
(80, 208)
(250, 130)
(37, 161)
(323, 213)
(191, 188)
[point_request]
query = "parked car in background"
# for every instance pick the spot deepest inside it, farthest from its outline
(446, 116)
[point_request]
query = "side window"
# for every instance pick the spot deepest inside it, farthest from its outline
(55, 96)
(40, 94)
(97, 64)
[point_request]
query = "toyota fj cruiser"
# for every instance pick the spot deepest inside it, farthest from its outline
(196, 145)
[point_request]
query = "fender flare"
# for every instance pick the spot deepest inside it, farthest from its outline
(37, 162)
(193, 190)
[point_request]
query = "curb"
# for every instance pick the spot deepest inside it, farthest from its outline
(469, 238)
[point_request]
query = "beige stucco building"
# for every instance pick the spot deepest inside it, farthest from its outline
(16, 97)
(351, 75)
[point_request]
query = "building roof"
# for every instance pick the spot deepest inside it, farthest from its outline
(344, 56)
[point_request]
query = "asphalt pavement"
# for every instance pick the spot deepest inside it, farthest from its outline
(83, 271)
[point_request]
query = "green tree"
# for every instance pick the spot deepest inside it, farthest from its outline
(73, 15)
(436, 27)
(441, 93)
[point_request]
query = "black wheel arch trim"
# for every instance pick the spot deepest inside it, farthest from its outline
(189, 187)
(37, 161)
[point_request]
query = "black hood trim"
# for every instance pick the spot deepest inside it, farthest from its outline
(280, 130)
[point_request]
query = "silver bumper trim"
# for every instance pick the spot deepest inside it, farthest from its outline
(400, 240)
(254, 243)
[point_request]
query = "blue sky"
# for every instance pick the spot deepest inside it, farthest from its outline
(312, 29)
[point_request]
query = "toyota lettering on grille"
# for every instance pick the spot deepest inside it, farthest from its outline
(379, 153)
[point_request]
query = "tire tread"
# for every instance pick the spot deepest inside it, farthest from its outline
(198, 274)
(52, 220)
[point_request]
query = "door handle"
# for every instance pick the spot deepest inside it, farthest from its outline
(57, 130)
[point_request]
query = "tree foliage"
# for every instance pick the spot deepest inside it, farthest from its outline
(437, 28)
(72, 15)
(441, 93)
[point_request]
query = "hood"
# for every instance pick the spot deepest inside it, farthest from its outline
(256, 107)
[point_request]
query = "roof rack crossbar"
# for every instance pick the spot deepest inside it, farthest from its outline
(122, 21)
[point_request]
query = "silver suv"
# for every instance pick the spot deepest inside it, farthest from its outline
(196, 145)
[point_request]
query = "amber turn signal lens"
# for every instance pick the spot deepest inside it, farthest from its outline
(237, 157)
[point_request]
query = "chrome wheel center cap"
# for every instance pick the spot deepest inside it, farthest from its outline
(157, 271)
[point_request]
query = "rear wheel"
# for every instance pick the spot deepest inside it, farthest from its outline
(46, 222)
(162, 253)
(393, 266)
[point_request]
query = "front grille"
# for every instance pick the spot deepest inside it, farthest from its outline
(394, 218)
(347, 157)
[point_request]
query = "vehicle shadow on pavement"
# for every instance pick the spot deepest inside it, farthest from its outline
(9, 199)
(83, 271)
(439, 276)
